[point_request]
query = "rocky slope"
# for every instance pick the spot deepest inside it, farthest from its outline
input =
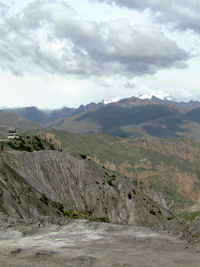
(170, 166)
(52, 183)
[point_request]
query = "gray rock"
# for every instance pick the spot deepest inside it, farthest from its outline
(32, 184)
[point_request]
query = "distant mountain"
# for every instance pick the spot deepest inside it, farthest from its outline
(30, 113)
(187, 105)
(130, 117)
(46, 116)
(133, 117)
(12, 120)
(90, 106)
(194, 115)
(56, 114)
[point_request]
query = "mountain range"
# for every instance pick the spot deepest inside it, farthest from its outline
(130, 117)
(44, 116)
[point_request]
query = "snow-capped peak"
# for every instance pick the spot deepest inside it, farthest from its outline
(160, 95)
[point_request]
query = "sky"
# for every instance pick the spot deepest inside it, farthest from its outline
(56, 53)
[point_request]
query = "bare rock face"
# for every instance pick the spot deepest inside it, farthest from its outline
(19, 201)
(32, 185)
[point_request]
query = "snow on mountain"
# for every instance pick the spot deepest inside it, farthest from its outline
(150, 96)
(116, 99)
(160, 95)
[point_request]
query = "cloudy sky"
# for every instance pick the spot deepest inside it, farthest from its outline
(56, 53)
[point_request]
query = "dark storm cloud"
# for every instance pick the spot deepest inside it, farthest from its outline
(184, 14)
(50, 36)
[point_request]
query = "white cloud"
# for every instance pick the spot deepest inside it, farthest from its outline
(183, 14)
(53, 55)
(50, 36)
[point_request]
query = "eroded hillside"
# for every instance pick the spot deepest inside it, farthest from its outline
(168, 166)
(53, 183)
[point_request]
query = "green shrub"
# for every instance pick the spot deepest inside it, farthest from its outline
(12, 145)
(73, 214)
(190, 216)
(110, 182)
(112, 178)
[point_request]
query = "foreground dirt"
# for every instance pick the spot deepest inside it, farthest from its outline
(83, 243)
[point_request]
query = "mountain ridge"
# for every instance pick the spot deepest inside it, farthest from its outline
(8, 119)
(131, 117)
(45, 116)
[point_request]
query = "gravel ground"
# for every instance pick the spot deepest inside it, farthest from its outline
(83, 243)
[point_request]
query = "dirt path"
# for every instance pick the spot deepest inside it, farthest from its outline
(83, 243)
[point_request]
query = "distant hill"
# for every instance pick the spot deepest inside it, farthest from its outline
(12, 120)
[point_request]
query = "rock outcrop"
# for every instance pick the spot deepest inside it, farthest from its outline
(52, 183)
